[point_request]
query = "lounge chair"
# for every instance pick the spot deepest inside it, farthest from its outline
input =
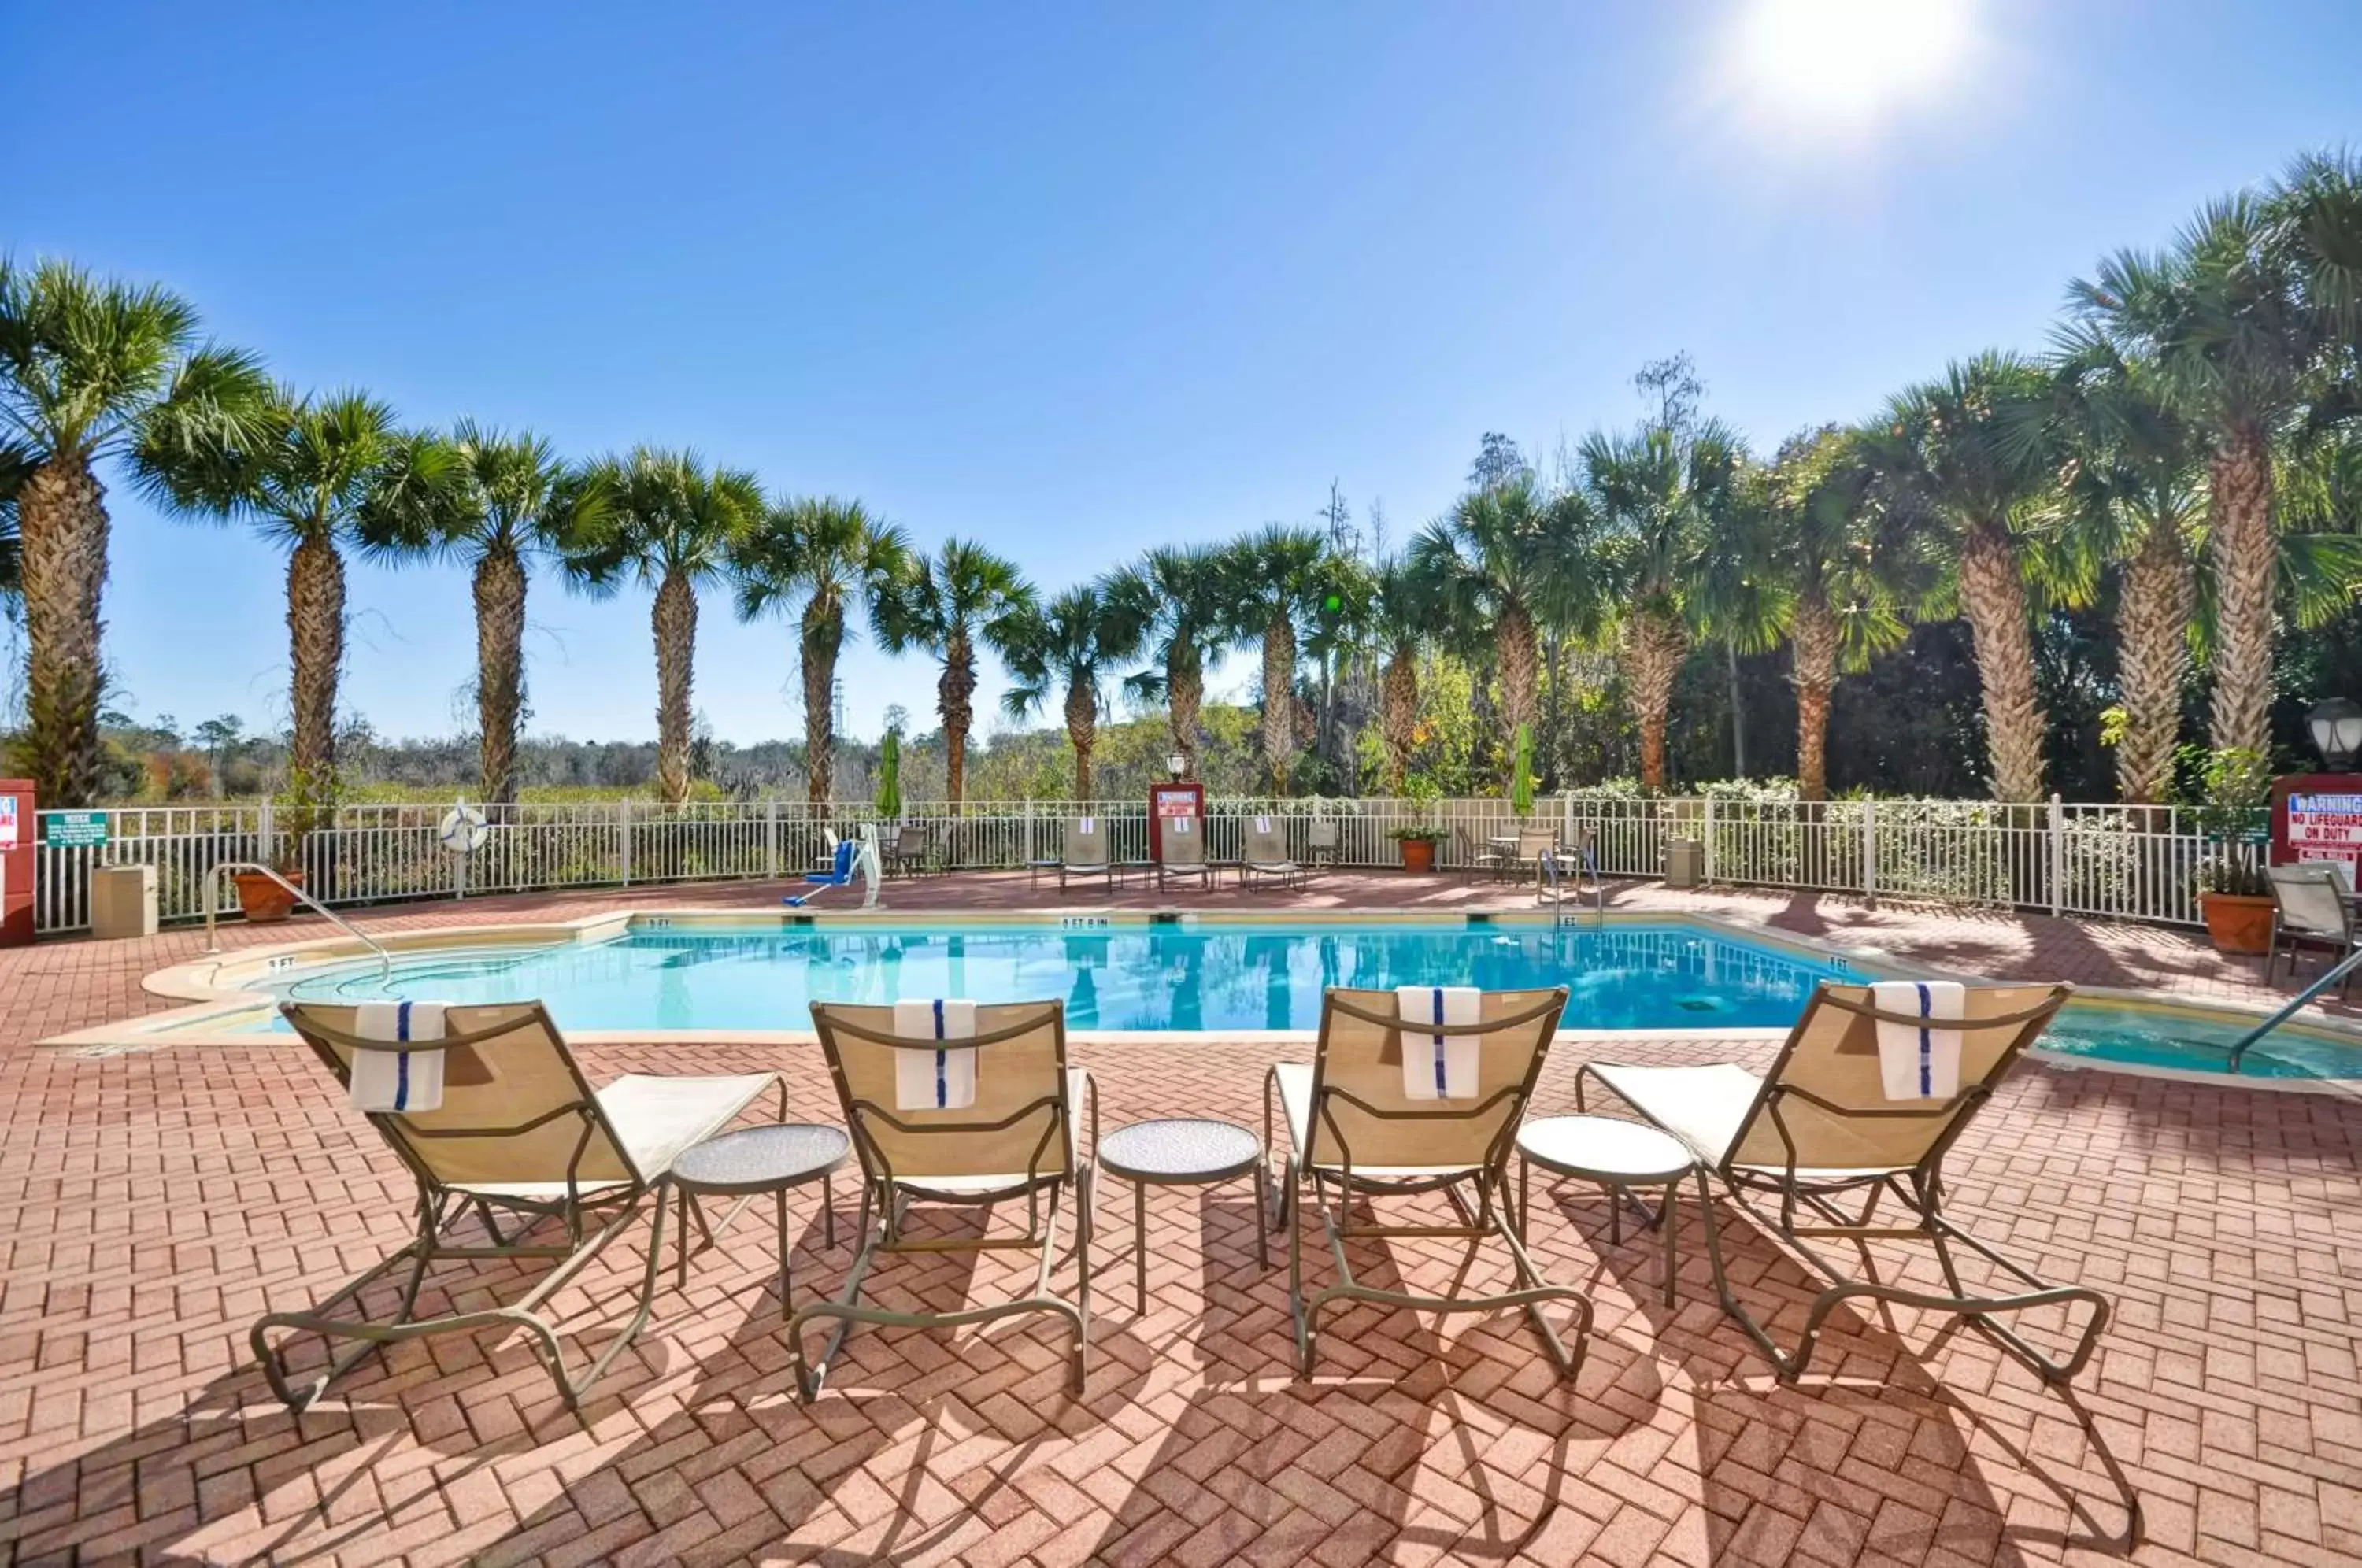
(2310, 907)
(1820, 1124)
(518, 1132)
(1182, 853)
(1355, 1129)
(1266, 858)
(1321, 842)
(1007, 1130)
(1086, 854)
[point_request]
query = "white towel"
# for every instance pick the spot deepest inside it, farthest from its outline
(939, 1079)
(398, 1081)
(1263, 824)
(1085, 826)
(1915, 1062)
(1179, 825)
(1440, 1066)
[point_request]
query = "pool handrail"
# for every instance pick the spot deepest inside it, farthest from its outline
(213, 903)
(2329, 977)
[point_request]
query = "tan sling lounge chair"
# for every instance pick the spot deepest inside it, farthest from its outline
(1820, 1124)
(1182, 853)
(1085, 854)
(1017, 1139)
(1266, 858)
(2311, 906)
(1355, 1132)
(520, 1136)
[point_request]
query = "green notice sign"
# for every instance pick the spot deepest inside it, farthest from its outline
(77, 830)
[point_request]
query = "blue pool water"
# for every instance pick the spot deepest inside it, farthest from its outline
(1127, 978)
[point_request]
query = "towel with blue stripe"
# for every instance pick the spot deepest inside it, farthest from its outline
(395, 1082)
(1440, 1066)
(945, 1077)
(1920, 1061)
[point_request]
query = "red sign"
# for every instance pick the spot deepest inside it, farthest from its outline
(2317, 816)
(1167, 801)
(16, 836)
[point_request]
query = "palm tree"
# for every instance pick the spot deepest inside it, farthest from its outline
(944, 604)
(1188, 627)
(515, 503)
(2237, 348)
(1074, 643)
(1846, 581)
(320, 476)
(815, 558)
(1272, 577)
(12, 469)
(1403, 620)
(672, 522)
(1658, 495)
(93, 370)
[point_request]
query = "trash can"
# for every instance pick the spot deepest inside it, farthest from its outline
(1684, 863)
(122, 901)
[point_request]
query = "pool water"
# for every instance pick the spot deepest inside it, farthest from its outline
(2114, 1034)
(1126, 977)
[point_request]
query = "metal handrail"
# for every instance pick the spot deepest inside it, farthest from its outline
(2344, 968)
(213, 902)
(1548, 880)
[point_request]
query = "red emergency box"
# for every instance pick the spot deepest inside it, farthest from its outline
(16, 836)
(1169, 800)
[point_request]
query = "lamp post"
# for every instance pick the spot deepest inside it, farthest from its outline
(2337, 729)
(1176, 764)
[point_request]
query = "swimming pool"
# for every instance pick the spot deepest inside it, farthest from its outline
(1134, 977)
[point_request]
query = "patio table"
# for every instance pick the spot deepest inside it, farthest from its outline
(747, 1164)
(1184, 1150)
(1618, 1155)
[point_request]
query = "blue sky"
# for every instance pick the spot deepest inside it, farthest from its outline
(1071, 281)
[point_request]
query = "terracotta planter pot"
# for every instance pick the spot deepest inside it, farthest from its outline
(1417, 854)
(264, 900)
(2239, 922)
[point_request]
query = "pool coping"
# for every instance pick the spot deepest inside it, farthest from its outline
(217, 988)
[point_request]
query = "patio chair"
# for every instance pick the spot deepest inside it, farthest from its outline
(1182, 853)
(2311, 906)
(1822, 1122)
(932, 1128)
(516, 1131)
(1359, 1126)
(1266, 858)
(1321, 842)
(1085, 855)
(1476, 856)
(1533, 843)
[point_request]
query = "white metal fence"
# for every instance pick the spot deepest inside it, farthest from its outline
(2132, 862)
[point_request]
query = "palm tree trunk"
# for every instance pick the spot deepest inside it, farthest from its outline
(499, 669)
(822, 635)
(1738, 714)
(1654, 645)
(954, 693)
(1993, 596)
(1815, 638)
(1521, 662)
(1398, 710)
(2245, 554)
(2153, 615)
(674, 622)
(62, 540)
(1185, 696)
(1278, 700)
(1082, 729)
(315, 635)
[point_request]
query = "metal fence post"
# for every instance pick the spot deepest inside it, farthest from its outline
(2058, 856)
(623, 835)
(1869, 847)
(1706, 832)
(1029, 855)
(771, 840)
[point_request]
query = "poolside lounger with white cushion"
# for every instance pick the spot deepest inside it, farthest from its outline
(1266, 858)
(1822, 1122)
(1391, 1108)
(518, 1130)
(2312, 907)
(1085, 853)
(1004, 1124)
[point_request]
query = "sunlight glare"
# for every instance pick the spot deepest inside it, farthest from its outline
(1840, 64)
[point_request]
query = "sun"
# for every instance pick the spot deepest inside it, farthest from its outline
(1836, 65)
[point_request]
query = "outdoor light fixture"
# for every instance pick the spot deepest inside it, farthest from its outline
(2337, 726)
(1175, 763)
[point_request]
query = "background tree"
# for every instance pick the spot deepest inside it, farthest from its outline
(321, 475)
(1272, 577)
(1404, 614)
(816, 558)
(1949, 458)
(91, 370)
(670, 522)
(1189, 618)
(514, 503)
(1075, 641)
(943, 605)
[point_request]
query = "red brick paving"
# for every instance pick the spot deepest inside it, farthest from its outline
(158, 1202)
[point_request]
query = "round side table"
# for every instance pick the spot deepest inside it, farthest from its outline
(1619, 1156)
(1181, 1152)
(751, 1162)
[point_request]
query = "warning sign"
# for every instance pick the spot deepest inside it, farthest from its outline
(2319, 817)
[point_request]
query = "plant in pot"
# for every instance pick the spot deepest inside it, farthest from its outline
(307, 805)
(2234, 894)
(1417, 839)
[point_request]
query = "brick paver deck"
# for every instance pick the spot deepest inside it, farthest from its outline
(156, 1202)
